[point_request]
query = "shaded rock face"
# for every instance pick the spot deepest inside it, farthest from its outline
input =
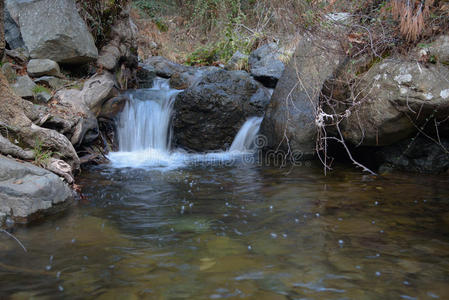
(398, 96)
(265, 64)
(209, 114)
(26, 190)
(164, 67)
(12, 32)
(292, 111)
(420, 155)
(54, 30)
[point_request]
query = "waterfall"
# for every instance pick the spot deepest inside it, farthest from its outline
(145, 121)
(244, 140)
(144, 133)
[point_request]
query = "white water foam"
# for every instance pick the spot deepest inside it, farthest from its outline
(144, 134)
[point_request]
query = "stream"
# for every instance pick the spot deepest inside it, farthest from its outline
(158, 223)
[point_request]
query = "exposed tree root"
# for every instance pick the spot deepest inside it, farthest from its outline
(17, 113)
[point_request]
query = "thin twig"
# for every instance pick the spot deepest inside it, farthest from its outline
(16, 239)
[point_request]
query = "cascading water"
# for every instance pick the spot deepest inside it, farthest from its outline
(144, 132)
(145, 121)
(244, 140)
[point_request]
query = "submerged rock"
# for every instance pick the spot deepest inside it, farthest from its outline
(26, 190)
(55, 30)
(289, 122)
(265, 64)
(209, 114)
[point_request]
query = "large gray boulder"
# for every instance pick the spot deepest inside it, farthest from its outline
(398, 97)
(27, 190)
(209, 114)
(289, 122)
(265, 64)
(53, 29)
(42, 67)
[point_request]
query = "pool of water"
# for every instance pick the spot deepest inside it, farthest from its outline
(237, 232)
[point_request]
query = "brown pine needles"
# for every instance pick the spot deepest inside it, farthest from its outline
(412, 16)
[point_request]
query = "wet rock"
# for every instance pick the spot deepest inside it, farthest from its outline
(24, 87)
(145, 77)
(237, 61)
(9, 72)
(292, 111)
(398, 96)
(12, 32)
(420, 155)
(26, 190)
(55, 30)
(42, 67)
(265, 64)
(164, 67)
(209, 114)
(112, 107)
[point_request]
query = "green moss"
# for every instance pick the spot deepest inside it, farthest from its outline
(40, 89)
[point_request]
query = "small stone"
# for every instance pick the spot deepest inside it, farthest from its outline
(43, 97)
(9, 72)
(24, 87)
(51, 81)
(42, 67)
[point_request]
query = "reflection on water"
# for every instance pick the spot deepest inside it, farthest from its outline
(205, 232)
